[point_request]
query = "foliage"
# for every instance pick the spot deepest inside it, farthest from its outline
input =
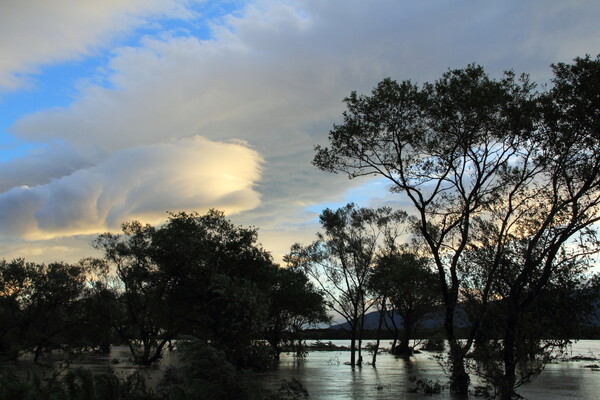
(491, 167)
(342, 258)
(144, 315)
(194, 275)
(294, 304)
(43, 307)
(75, 384)
(435, 343)
(410, 286)
(201, 275)
(204, 370)
(427, 386)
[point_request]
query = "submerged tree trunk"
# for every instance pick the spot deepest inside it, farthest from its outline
(404, 349)
(353, 345)
(394, 331)
(360, 337)
(380, 323)
(38, 353)
(507, 388)
(149, 355)
(459, 378)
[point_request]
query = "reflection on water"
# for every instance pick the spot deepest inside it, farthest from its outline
(326, 376)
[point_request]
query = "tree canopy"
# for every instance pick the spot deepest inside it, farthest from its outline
(486, 163)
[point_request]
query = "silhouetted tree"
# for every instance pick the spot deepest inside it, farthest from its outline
(196, 274)
(295, 303)
(342, 258)
(411, 289)
(41, 307)
(145, 315)
(483, 160)
(15, 286)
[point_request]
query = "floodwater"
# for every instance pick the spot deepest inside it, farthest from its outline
(326, 375)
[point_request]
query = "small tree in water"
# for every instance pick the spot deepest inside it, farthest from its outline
(294, 304)
(410, 286)
(342, 259)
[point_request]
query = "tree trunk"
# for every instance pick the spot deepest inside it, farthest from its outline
(405, 349)
(38, 353)
(394, 331)
(353, 345)
(376, 349)
(360, 336)
(507, 388)
(459, 379)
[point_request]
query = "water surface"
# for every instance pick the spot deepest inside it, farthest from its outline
(326, 376)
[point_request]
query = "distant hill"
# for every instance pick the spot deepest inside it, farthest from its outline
(435, 320)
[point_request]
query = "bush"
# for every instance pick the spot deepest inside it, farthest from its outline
(435, 343)
(78, 384)
(203, 372)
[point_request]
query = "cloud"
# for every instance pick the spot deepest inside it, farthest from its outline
(37, 32)
(137, 183)
(41, 165)
(68, 249)
(272, 74)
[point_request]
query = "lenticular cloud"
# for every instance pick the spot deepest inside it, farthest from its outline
(139, 183)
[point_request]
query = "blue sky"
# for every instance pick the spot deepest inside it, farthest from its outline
(112, 110)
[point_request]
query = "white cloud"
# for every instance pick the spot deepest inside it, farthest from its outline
(37, 32)
(137, 183)
(272, 75)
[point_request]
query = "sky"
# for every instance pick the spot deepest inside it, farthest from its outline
(115, 110)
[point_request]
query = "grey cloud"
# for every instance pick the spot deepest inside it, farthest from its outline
(42, 165)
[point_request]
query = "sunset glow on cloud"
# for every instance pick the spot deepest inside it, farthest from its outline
(137, 183)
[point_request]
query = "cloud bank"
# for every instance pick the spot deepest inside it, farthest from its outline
(137, 183)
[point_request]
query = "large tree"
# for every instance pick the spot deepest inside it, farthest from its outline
(195, 274)
(483, 160)
(342, 258)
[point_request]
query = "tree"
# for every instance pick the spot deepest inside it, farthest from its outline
(544, 226)
(15, 286)
(294, 304)
(41, 307)
(410, 287)
(342, 258)
(538, 333)
(145, 308)
(223, 277)
(484, 163)
(196, 274)
(99, 303)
